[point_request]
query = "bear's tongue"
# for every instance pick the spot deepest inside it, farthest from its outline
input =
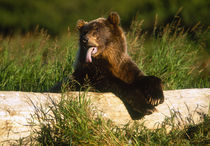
(90, 52)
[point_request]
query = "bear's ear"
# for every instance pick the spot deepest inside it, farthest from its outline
(114, 18)
(80, 23)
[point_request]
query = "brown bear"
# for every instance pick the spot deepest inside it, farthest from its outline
(103, 63)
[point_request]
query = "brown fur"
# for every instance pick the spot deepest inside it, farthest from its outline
(111, 69)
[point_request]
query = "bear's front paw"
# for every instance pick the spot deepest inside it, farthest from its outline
(151, 87)
(139, 104)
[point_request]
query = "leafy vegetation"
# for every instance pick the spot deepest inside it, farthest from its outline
(57, 15)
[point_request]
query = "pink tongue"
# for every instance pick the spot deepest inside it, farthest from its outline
(90, 52)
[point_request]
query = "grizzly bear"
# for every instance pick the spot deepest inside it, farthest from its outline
(103, 63)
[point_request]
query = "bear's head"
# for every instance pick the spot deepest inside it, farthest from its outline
(101, 37)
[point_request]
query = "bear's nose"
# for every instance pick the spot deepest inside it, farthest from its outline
(85, 40)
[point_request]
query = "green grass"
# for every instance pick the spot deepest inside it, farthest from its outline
(35, 62)
(73, 122)
(170, 54)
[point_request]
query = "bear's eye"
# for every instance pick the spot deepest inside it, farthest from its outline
(84, 32)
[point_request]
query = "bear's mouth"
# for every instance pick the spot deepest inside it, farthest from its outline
(90, 52)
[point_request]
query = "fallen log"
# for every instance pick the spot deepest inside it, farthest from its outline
(16, 109)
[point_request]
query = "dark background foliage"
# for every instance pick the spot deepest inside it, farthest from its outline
(57, 15)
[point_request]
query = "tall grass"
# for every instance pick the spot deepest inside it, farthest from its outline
(170, 54)
(74, 122)
(35, 61)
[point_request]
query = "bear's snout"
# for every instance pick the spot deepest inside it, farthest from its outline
(85, 40)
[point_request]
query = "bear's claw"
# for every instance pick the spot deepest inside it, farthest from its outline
(151, 87)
